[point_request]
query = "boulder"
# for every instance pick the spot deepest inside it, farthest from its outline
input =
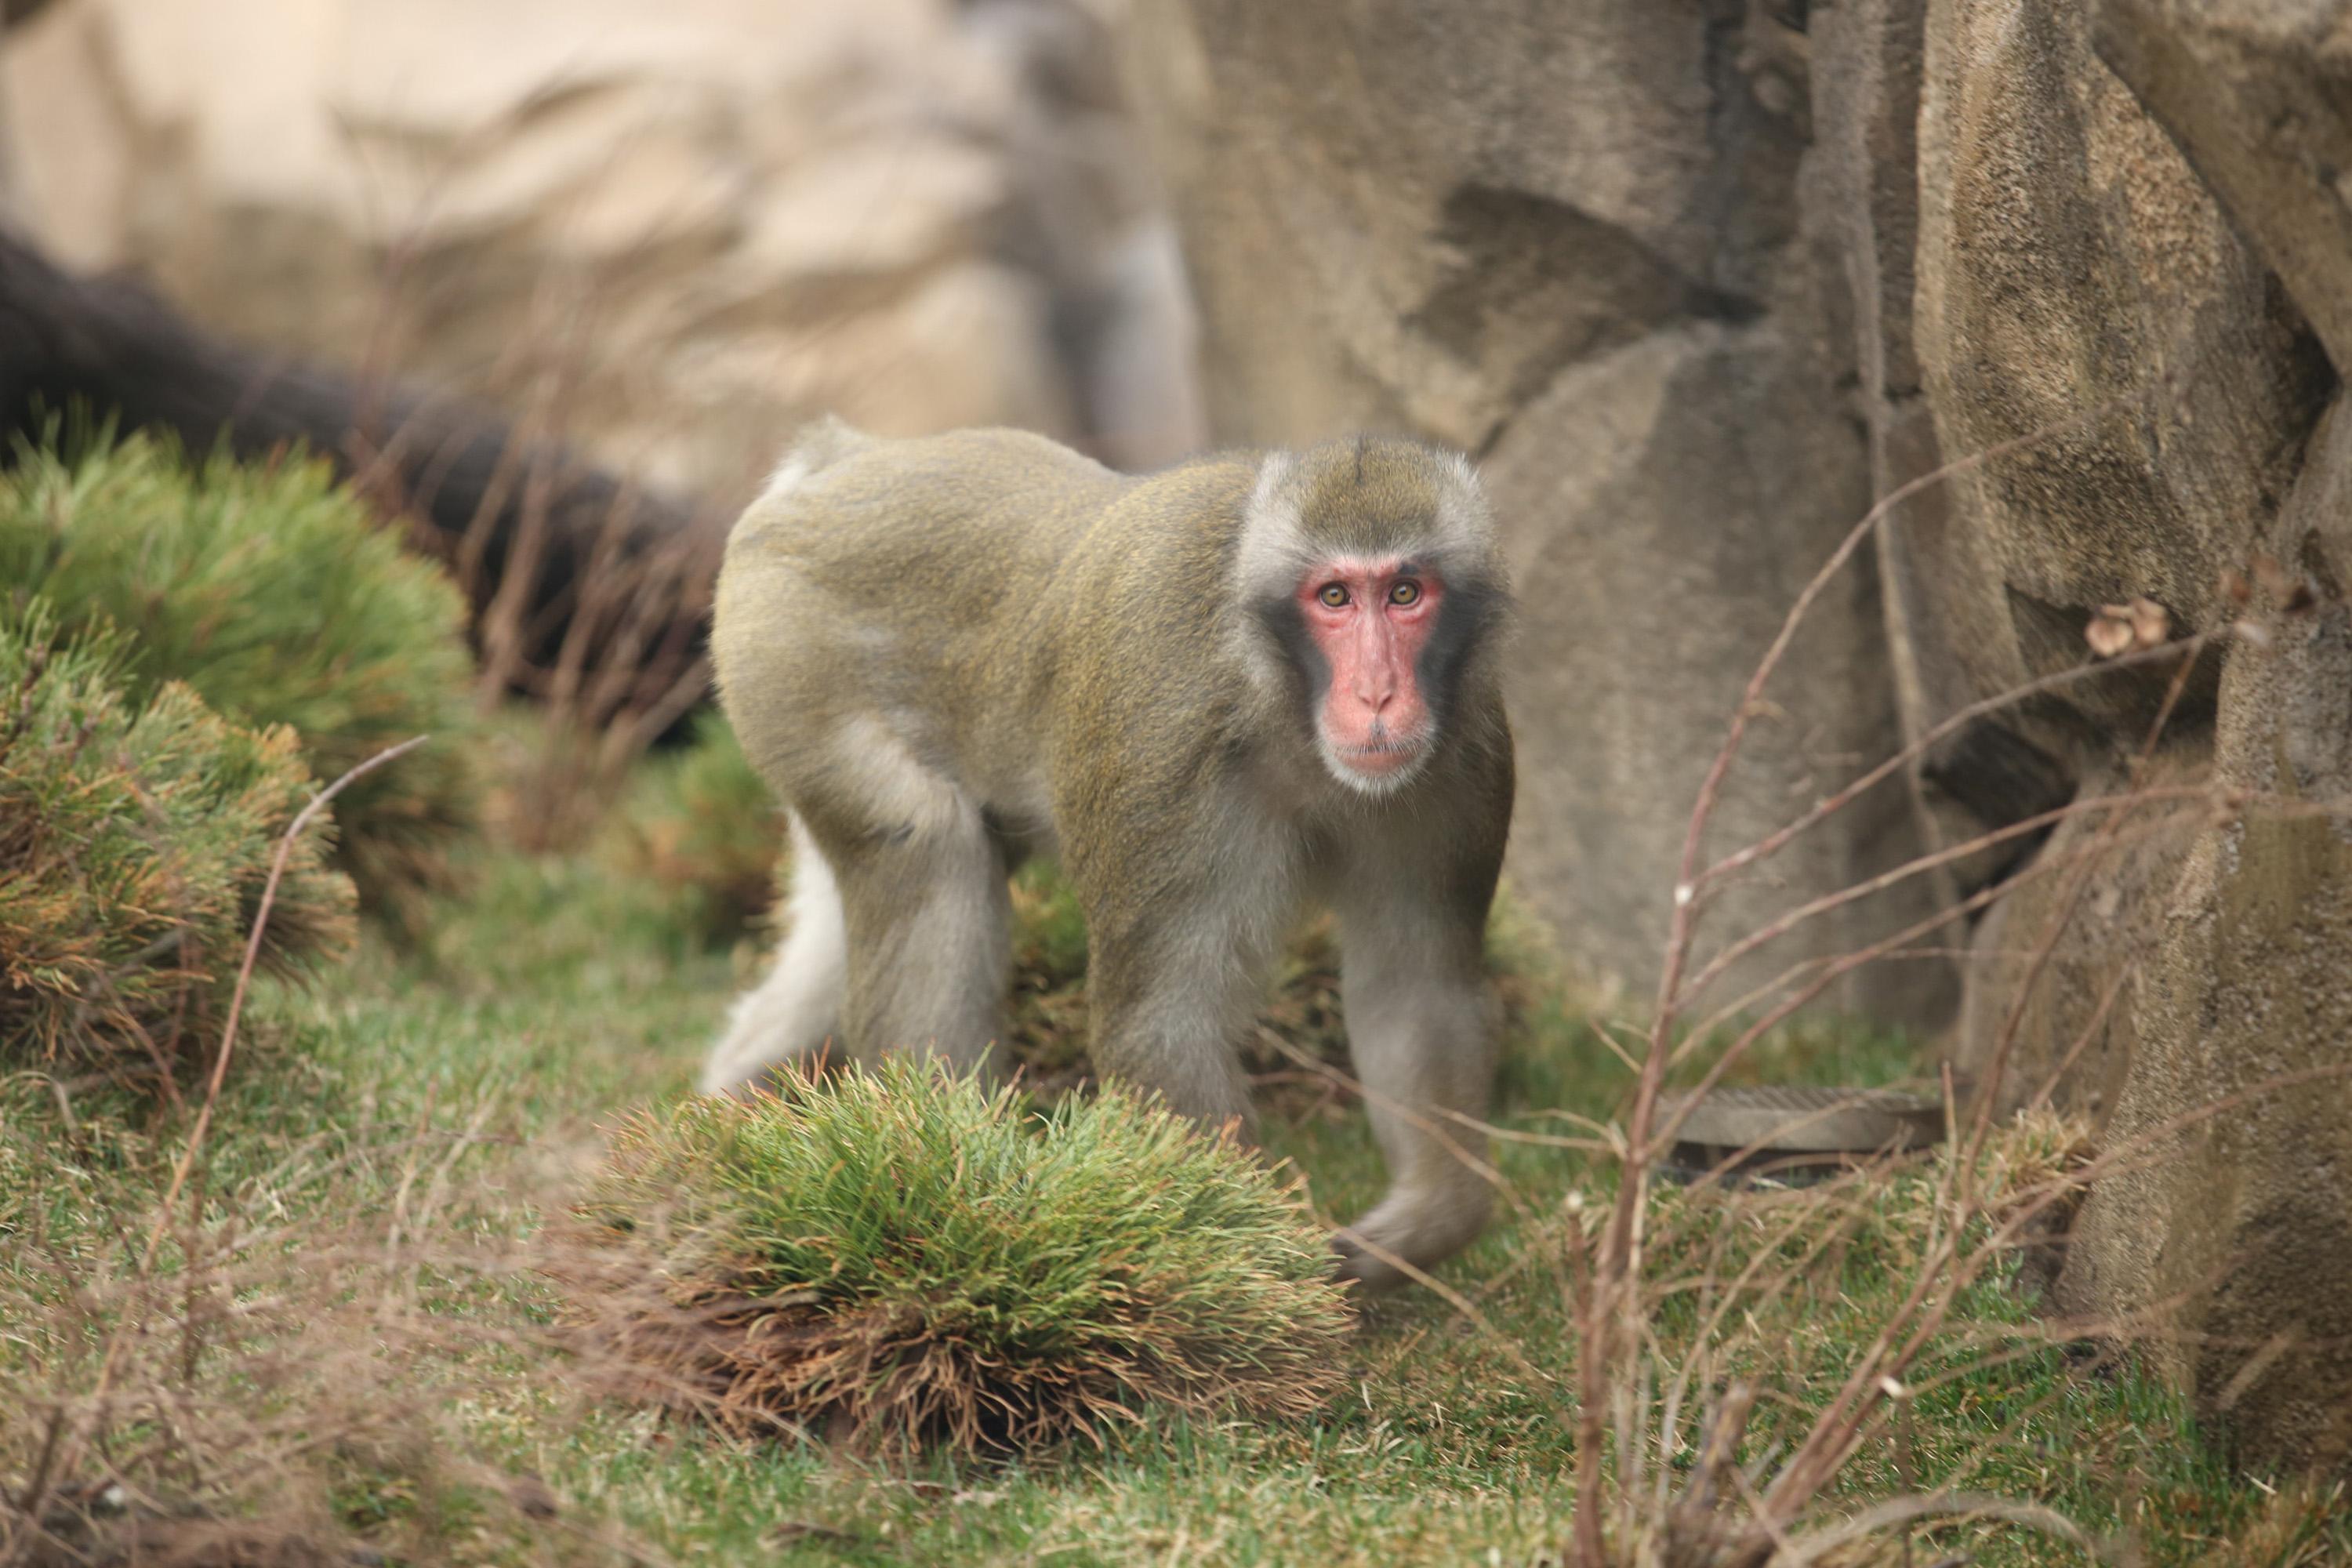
(2228, 1219)
(2126, 288)
(2258, 94)
(2083, 306)
(1650, 510)
(2078, 285)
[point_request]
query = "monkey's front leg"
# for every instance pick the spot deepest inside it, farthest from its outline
(1421, 1029)
(1170, 1004)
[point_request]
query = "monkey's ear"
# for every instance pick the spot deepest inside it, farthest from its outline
(1273, 550)
(1273, 499)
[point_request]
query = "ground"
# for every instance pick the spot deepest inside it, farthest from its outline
(451, 1091)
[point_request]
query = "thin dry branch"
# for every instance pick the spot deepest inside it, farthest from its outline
(2190, 647)
(1608, 1288)
(1607, 1316)
(286, 842)
(195, 1140)
(1773, 930)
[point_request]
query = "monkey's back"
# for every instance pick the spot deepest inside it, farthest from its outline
(928, 585)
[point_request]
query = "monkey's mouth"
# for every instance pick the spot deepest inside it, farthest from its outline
(1385, 756)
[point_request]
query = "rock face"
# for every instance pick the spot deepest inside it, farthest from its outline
(1696, 282)
(2111, 230)
(673, 230)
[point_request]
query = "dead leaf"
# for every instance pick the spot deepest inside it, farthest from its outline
(2109, 634)
(2151, 623)
(2118, 628)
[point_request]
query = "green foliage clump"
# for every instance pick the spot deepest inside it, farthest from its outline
(700, 824)
(273, 594)
(899, 1254)
(136, 840)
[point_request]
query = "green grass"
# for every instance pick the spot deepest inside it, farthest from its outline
(699, 823)
(453, 1092)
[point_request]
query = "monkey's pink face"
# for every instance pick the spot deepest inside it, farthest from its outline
(1369, 620)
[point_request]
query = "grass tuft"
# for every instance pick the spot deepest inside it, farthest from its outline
(899, 1258)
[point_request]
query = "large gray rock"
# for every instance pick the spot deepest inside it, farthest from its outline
(2259, 96)
(1699, 281)
(1580, 240)
(2075, 278)
(2142, 282)
(1653, 579)
(2233, 1122)
(1866, 71)
(2078, 287)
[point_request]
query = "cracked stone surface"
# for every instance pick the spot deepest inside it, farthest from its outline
(1697, 283)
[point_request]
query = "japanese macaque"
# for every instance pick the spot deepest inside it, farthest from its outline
(1212, 692)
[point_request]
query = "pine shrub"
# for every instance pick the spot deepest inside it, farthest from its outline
(899, 1257)
(136, 840)
(274, 595)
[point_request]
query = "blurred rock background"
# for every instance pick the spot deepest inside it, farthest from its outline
(672, 230)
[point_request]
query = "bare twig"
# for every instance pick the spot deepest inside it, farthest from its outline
(286, 842)
(195, 1140)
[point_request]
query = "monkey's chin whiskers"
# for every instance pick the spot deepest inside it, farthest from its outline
(1377, 769)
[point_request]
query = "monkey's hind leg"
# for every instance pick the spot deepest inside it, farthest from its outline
(796, 1010)
(930, 942)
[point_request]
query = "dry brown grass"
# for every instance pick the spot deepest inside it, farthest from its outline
(278, 1394)
(210, 1413)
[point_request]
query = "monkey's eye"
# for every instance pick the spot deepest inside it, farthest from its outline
(1405, 592)
(1333, 596)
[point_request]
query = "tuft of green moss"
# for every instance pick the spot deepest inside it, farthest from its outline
(901, 1256)
(135, 840)
(279, 600)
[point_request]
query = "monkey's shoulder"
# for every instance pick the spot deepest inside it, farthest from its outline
(1161, 545)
